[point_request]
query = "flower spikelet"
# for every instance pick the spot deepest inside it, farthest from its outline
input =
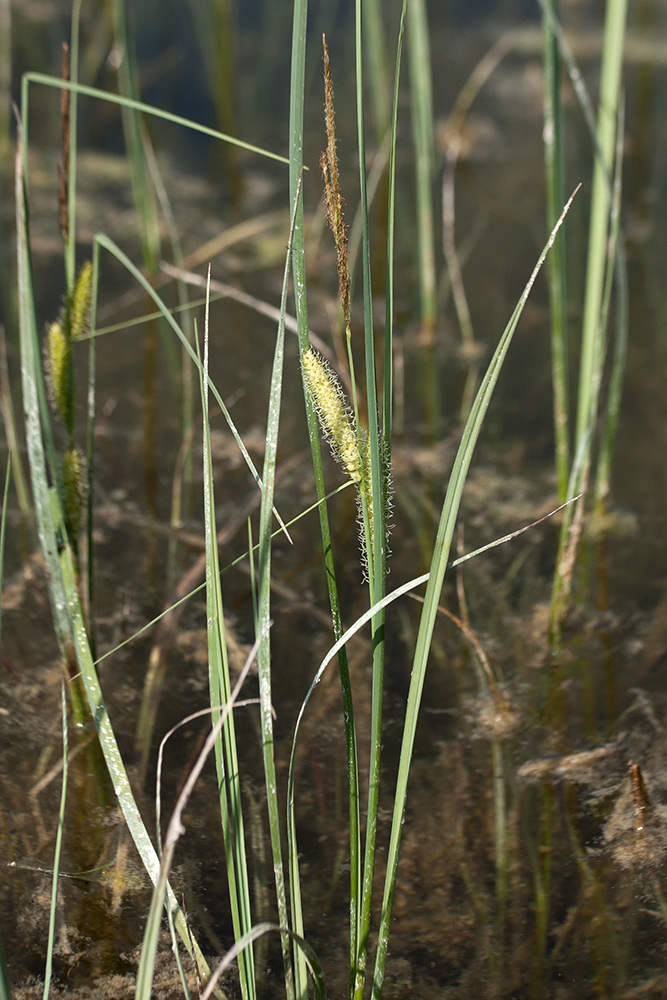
(333, 197)
(333, 413)
(73, 486)
(366, 488)
(79, 309)
(368, 491)
(58, 368)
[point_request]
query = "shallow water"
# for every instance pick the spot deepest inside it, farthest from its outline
(566, 896)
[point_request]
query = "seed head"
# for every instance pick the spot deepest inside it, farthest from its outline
(333, 412)
(57, 366)
(79, 310)
(73, 486)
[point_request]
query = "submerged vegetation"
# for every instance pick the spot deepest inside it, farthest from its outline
(473, 807)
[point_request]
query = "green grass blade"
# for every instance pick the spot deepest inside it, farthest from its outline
(602, 137)
(388, 390)
(226, 758)
(592, 350)
(149, 943)
(424, 146)
(34, 406)
(70, 241)
(375, 531)
(598, 285)
(419, 63)
(554, 159)
(8, 419)
(608, 436)
(433, 589)
(263, 622)
(133, 105)
(27, 321)
(136, 140)
(297, 77)
(57, 852)
(377, 64)
(68, 617)
(112, 756)
(334, 652)
(175, 829)
(62, 577)
(375, 541)
(90, 451)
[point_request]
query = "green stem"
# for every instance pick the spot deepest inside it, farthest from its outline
(299, 273)
(592, 351)
(375, 533)
(555, 190)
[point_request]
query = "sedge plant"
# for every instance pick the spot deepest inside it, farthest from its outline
(575, 436)
(365, 455)
(605, 270)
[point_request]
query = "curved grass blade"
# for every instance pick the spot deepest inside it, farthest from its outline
(434, 587)
(113, 248)
(68, 617)
(335, 650)
(174, 831)
(112, 756)
(127, 102)
(310, 958)
(360, 623)
(226, 757)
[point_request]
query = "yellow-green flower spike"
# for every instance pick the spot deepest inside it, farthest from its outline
(73, 486)
(79, 310)
(57, 368)
(333, 413)
(368, 490)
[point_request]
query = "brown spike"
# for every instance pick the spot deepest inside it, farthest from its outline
(334, 200)
(332, 157)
